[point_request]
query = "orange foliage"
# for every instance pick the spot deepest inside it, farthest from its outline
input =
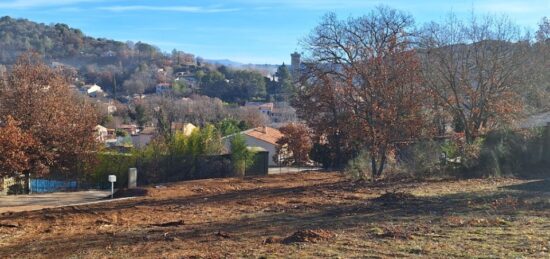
(14, 147)
(60, 122)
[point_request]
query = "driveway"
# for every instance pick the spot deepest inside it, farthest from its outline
(282, 170)
(15, 203)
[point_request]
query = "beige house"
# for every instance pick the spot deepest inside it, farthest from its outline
(264, 108)
(186, 128)
(263, 137)
(131, 129)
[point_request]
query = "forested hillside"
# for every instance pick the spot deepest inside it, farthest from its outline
(61, 42)
(126, 68)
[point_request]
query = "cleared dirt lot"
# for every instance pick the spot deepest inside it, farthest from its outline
(255, 217)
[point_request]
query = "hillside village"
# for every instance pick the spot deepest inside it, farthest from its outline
(382, 137)
(114, 133)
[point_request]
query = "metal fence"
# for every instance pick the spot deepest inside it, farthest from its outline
(46, 185)
(161, 169)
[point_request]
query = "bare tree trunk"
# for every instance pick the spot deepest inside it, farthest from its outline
(381, 165)
(373, 167)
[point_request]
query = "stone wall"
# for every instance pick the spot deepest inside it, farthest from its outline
(11, 185)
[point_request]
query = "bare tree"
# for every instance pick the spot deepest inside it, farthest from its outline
(319, 104)
(538, 91)
(543, 33)
(475, 69)
(374, 76)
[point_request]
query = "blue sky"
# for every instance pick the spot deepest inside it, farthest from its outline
(248, 31)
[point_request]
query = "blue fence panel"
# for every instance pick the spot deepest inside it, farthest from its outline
(43, 185)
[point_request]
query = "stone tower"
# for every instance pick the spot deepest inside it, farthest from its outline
(295, 61)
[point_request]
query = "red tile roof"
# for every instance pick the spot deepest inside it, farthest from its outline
(267, 134)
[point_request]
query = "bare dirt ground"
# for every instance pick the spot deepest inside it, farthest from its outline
(296, 215)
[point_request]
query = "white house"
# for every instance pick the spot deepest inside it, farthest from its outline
(144, 138)
(263, 137)
(93, 90)
(264, 108)
(101, 133)
(536, 120)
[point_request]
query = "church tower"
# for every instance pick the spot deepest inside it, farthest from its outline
(295, 61)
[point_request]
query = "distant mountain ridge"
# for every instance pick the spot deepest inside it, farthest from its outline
(224, 62)
(266, 69)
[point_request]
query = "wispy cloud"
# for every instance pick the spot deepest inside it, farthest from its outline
(512, 7)
(506, 6)
(68, 9)
(176, 8)
(26, 4)
(312, 4)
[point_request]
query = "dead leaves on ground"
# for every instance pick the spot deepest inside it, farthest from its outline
(403, 232)
(458, 221)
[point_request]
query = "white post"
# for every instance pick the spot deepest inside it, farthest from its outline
(132, 178)
(29, 184)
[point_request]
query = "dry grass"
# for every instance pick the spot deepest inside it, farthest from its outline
(323, 214)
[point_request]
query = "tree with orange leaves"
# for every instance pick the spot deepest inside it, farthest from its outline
(15, 145)
(60, 122)
(294, 147)
(372, 76)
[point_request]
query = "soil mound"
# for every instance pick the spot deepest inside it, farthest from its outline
(310, 236)
(123, 193)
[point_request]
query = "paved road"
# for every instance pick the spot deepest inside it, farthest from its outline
(282, 170)
(16, 203)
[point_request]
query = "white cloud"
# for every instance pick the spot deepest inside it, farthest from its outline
(178, 8)
(26, 4)
(313, 4)
(500, 6)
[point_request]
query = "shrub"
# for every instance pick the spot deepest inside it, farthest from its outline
(461, 158)
(499, 153)
(424, 159)
(321, 154)
(359, 168)
(451, 148)
(152, 161)
(121, 133)
(112, 163)
(241, 157)
(178, 157)
(506, 153)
